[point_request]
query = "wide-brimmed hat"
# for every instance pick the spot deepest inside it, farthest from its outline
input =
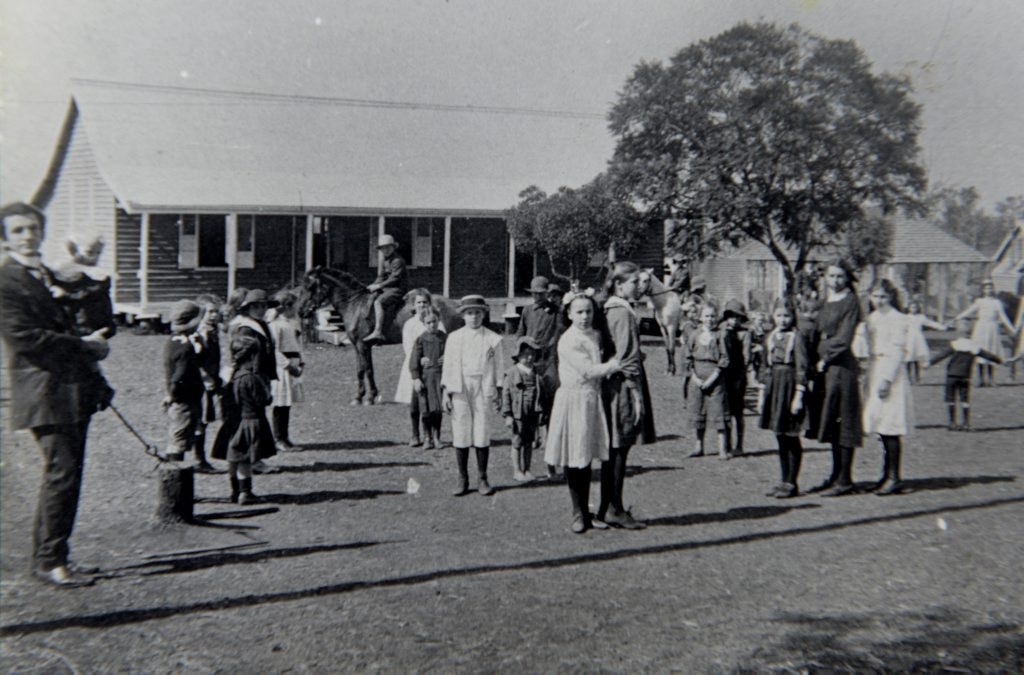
(185, 316)
(386, 240)
(698, 284)
(554, 288)
(257, 295)
(473, 302)
(525, 341)
(539, 285)
(735, 308)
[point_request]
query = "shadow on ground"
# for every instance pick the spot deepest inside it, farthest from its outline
(132, 616)
(936, 642)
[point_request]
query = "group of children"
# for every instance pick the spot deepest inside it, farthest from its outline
(264, 369)
(595, 406)
(809, 369)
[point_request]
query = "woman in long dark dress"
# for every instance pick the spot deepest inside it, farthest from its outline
(840, 419)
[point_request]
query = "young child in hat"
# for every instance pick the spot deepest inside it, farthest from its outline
(184, 379)
(390, 287)
(543, 321)
(707, 358)
(425, 361)
(523, 398)
(470, 378)
(734, 376)
(245, 436)
(85, 294)
(962, 353)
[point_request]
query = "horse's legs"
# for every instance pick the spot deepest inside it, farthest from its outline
(670, 352)
(360, 348)
(371, 383)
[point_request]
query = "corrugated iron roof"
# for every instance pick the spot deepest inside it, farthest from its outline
(913, 241)
(172, 148)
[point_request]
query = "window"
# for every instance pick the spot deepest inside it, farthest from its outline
(203, 240)
(246, 241)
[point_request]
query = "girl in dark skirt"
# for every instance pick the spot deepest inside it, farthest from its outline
(631, 415)
(781, 398)
(840, 419)
(425, 361)
(245, 437)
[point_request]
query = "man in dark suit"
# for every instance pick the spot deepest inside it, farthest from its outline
(51, 396)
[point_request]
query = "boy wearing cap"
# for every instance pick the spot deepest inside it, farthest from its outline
(543, 321)
(390, 287)
(523, 398)
(734, 376)
(470, 379)
(184, 379)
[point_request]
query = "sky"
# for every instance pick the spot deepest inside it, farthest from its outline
(965, 59)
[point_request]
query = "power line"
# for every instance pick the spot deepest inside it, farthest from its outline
(334, 100)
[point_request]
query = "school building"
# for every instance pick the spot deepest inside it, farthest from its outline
(202, 191)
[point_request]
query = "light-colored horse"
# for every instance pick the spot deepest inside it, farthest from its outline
(667, 307)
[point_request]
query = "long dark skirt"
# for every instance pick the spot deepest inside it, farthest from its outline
(778, 397)
(840, 421)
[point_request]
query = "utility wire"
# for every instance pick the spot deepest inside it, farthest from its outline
(333, 100)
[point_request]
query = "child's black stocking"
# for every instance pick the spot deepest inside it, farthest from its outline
(607, 485)
(462, 461)
(235, 488)
(784, 457)
(286, 418)
(967, 415)
(951, 407)
(482, 454)
(796, 455)
(579, 491)
(619, 455)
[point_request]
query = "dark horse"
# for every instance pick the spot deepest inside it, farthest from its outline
(323, 286)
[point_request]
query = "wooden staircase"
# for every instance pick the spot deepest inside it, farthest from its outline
(331, 328)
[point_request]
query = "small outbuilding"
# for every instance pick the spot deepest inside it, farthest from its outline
(925, 262)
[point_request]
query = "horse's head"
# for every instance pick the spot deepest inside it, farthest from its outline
(643, 284)
(313, 294)
(327, 286)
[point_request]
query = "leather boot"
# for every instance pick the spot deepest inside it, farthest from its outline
(892, 479)
(886, 461)
(235, 488)
(245, 495)
(607, 488)
(844, 483)
(572, 479)
(483, 487)
(837, 461)
(462, 460)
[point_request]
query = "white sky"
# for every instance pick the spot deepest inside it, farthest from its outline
(965, 58)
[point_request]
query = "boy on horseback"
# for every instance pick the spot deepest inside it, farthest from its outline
(390, 287)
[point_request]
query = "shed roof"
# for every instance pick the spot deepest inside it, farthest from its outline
(174, 148)
(913, 241)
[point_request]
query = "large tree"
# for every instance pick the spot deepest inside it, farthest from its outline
(771, 134)
(574, 226)
(958, 210)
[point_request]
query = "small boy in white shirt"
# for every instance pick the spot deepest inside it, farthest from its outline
(470, 378)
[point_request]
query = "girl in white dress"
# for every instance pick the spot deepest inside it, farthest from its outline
(918, 354)
(404, 393)
(578, 429)
(888, 411)
(990, 313)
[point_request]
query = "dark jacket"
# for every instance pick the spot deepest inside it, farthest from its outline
(392, 274)
(49, 365)
(512, 394)
(183, 375)
(962, 353)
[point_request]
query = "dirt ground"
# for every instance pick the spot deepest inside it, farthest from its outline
(360, 560)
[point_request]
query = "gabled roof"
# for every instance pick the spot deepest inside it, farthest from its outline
(913, 241)
(1017, 231)
(171, 148)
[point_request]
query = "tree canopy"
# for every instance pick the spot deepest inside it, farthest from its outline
(959, 212)
(767, 133)
(574, 226)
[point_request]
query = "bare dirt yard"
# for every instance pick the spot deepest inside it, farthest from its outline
(360, 560)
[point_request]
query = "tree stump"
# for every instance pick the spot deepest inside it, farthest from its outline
(176, 490)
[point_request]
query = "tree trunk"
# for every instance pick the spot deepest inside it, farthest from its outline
(176, 489)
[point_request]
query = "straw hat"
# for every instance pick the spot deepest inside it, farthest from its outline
(185, 316)
(386, 240)
(473, 302)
